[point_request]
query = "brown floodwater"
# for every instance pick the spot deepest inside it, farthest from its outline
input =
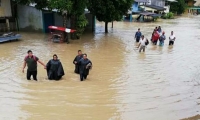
(161, 84)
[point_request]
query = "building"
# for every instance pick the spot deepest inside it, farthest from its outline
(7, 21)
(155, 6)
(190, 3)
(197, 3)
(193, 6)
(31, 19)
(136, 6)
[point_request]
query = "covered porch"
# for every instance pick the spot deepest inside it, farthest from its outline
(194, 10)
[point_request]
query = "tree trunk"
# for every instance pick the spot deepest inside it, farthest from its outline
(73, 26)
(65, 37)
(106, 27)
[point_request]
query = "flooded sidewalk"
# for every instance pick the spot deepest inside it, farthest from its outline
(161, 84)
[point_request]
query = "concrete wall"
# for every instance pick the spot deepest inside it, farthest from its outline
(5, 8)
(29, 18)
(59, 20)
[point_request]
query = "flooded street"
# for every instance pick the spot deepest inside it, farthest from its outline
(161, 84)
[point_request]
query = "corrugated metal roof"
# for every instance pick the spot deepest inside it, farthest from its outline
(156, 7)
(141, 0)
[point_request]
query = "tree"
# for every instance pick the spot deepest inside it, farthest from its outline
(178, 7)
(109, 10)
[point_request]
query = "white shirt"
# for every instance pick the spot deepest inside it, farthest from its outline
(142, 42)
(171, 37)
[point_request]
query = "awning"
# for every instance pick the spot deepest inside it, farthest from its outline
(150, 14)
(158, 8)
(141, 1)
(171, 0)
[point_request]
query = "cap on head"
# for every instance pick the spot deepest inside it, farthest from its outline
(163, 32)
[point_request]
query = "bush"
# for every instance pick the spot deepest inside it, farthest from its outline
(169, 15)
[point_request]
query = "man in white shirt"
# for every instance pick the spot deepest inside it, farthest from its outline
(172, 38)
(142, 44)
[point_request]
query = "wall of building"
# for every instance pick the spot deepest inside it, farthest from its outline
(5, 8)
(190, 3)
(135, 7)
(29, 18)
(58, 19)
(160, 3)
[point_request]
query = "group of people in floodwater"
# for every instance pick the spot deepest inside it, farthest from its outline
(157, 35)
(54, 66)
(82, 64)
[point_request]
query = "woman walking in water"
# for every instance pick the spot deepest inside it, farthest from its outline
(55, 69)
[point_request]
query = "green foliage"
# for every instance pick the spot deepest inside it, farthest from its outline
(178, 7)
(109, 10)
(78, 11)
(81, 22)
(169, 15)
(60, 5)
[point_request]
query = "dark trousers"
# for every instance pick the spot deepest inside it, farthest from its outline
(76, 69)
(82, 76)
(33, 73)
(137, 39)
(155, 42)
(171, 42)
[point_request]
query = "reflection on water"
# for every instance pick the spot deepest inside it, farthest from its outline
(162, 83)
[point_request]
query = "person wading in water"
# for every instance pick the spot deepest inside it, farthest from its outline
(76, 60)
(138, 35)
(55, 69)
(162, 39)
(142, 44)
(31, 62)
(84, 66)
(155, 37)
(172, 38)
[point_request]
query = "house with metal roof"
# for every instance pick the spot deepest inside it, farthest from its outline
(193, 6)
(7, 21)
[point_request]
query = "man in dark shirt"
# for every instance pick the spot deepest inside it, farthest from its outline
(84, 66)
(138, 34)
(76, 60)
(31, 62)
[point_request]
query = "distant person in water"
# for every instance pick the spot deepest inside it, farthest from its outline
(55, 69)
(31, 61)
(84, 66)
(138, 35)
(162, 39)
(172, 38)
(159, 29)
(76, 60)
(155, 37)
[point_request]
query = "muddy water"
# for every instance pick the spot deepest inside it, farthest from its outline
(162, 83)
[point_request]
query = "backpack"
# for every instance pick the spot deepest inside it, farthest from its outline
(147, 42)
(34, 57)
